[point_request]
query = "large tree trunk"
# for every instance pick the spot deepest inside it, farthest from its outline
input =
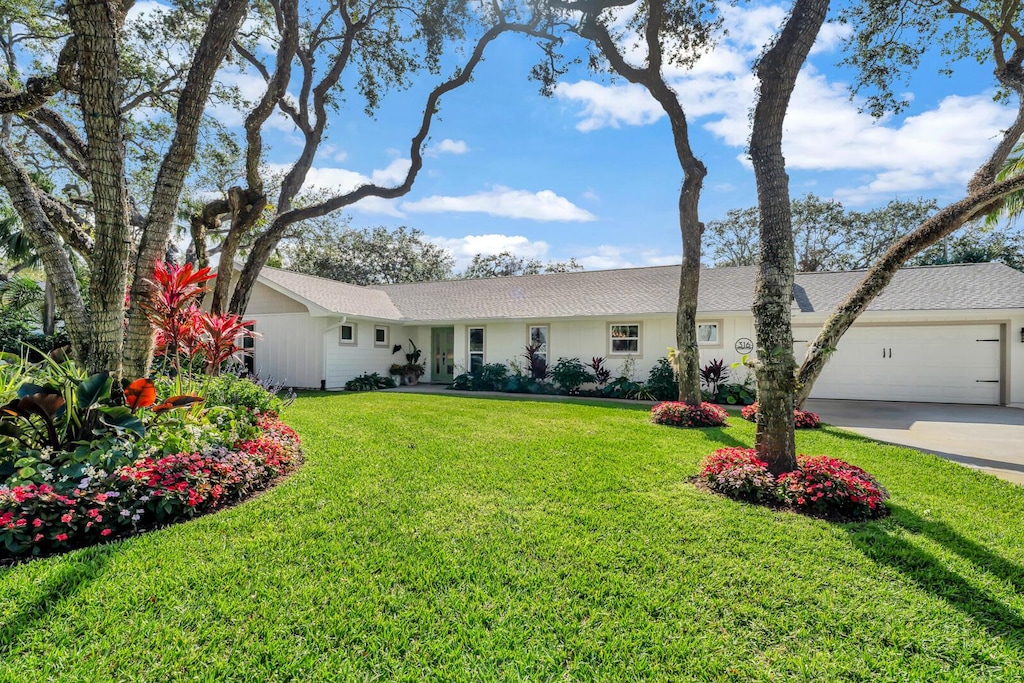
(931, 231)
(690, 228)
(50, 249)
(246, 207)
(225, 19)
(96, 26)
(777, 72)
(688, 352)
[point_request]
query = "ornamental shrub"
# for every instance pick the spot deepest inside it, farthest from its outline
(231, 390)
(802, 419)
(820, 484)
(369, 381)
(676, 414)
(570, 374)
(663, 382)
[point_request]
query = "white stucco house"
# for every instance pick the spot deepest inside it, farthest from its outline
(951, 334)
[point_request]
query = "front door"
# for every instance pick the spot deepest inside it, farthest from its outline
(442, 350)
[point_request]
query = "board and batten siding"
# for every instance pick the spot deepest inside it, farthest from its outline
(585, 339)
(289, 348)
(346, 361)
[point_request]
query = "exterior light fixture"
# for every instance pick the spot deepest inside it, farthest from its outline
(1022, 334)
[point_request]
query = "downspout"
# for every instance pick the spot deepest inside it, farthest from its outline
(323, 358)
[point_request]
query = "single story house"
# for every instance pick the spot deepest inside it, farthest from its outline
(940, 333)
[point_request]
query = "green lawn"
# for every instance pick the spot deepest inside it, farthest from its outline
(446, 538)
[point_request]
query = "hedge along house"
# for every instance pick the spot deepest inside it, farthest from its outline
(951, 334)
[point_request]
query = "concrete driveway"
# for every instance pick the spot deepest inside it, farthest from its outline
(989, 438)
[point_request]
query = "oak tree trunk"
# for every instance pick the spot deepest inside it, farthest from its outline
(690, 228)
(777, 72)
(225, 19)
(48, 245)
(96, 26)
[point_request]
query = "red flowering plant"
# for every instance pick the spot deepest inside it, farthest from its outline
(829, 485)
(820, 484)
(738, 473)
(38, 518)
(187, 484)
(678, 414)
(802, 419)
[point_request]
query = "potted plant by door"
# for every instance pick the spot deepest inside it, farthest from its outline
(413, 372)
(396, 371)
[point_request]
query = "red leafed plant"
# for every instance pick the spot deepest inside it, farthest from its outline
(140, 394)
(678, 414)
(172, 307)
(182, 327)
(218, 340)
(820, 484)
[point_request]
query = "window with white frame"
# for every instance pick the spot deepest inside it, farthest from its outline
(539, 339)
(347, 334)
(476, 348)
(625, 338)
(709, 333)
(380, 335)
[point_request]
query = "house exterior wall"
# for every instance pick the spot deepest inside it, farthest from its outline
(266, 300)
(345, 361)
(289, 348)
(505, 342)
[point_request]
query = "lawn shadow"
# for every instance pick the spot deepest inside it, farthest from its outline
(78, 572)
(720, 435)
(925, 570)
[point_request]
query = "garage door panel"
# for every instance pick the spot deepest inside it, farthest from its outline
(943, 364)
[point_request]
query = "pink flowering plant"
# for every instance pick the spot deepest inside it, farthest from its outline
(154, 489)
(678, 414)
(820, 484)
(738, 473)
(802, 419)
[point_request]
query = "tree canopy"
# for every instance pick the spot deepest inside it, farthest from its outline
(826, 235)
(372, 256)
(507, 264)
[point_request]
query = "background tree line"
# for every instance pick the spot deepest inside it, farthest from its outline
(829, 237)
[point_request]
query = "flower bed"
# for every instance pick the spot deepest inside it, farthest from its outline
(820, 484)
(39, 518)
(802, 419)
(677, 414)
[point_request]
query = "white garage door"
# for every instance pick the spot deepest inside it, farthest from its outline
(932, 363)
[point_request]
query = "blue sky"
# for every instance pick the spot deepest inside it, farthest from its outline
(591, 173)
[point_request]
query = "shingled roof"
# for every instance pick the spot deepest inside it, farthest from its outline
(334, 296)
(653, 290)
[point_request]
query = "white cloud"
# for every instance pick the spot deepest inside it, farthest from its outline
(504, 202)
(465, 248)
(939, 147)
(392, 174)
(609, 256)
(602, 257)
(449, 146)
(610, 105)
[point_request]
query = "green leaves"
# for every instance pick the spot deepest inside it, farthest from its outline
(121, 419)
(94, 389)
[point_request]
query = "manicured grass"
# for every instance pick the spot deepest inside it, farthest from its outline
(448, 538)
